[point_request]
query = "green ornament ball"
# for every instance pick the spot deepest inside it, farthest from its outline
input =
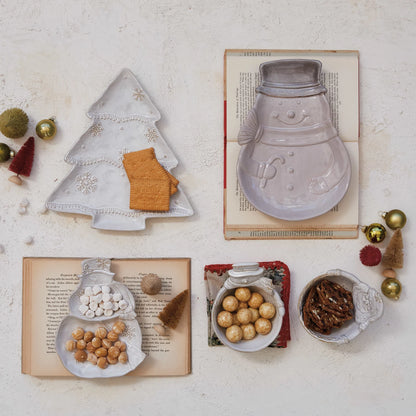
(13, 123)
(4, 152)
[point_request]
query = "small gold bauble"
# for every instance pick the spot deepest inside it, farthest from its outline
(46, 129)
(4, 152)
(375, 232)
(391, 288)
(395, 219)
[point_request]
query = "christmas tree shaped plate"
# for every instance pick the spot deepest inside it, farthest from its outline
(123, 121)
(96, 274)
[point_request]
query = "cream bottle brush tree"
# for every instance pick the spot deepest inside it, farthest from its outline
(123, 121)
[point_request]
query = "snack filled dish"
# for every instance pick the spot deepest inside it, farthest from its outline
(336, 306)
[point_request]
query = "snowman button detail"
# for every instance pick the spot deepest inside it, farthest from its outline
(291, 170)
(290, 187)
(291, 153)
(291, 114)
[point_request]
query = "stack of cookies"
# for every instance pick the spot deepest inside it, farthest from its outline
(327, 306)
(151, 186)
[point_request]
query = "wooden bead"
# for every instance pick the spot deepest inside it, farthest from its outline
(389, 273)
(78, 334)
(101, 352)
(112, 336)
(88, 336)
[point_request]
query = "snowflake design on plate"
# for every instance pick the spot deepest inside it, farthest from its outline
(151, 135)
(86, 183)
(138, 94)
(96, 129)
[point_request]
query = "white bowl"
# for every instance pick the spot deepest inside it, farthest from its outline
(259, 342)
(368, 306)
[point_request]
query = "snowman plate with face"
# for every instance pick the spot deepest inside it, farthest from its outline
(292, 164)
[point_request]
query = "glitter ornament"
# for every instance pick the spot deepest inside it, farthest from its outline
(225, 319)
(230, 303)
(13, 123)
(370, 256)
(395, 219)
(391, 288)
(375, 232)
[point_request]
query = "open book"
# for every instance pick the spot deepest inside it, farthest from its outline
(47, 285)
(340, 75)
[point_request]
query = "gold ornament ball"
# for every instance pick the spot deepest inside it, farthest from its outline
(225, 319)
(267, 310)
(4, 152)
(230, 303)
(46, 129)
(391, 288)
(244, 316)
(395, 219)
(234, 333)
(375, 233)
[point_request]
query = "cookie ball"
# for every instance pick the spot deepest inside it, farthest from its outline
(113, 352)
(267, 310)
(88, 336)
(81, 344)
(255, 300)
(234, 333)
(101, 352)
(230, 303)
(119, 327)
(80, 355)
(243, 294)
(96, 342)
(78, 334)
(112, 336)
(106, 343)
(90, 347)
(225, 319)
(249, 332)
(112, 360)
(92, 358)
(120, 345)
(263, 326)
(101, 332)
(254, 314)
(102, 362)
(244, 316)
(123, 358)
(70, 345)
(242, 305)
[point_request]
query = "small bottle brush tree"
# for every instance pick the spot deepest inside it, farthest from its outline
(393, 256)
(23, 161)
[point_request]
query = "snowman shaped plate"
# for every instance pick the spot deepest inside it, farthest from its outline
(97, 277)
(292, 164)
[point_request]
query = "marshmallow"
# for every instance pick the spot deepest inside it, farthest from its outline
(108, 312)
(106, 289)
(117, 297)
(115, 306)
(83, 309)
(99, 312)
(98, 298)
(108, 305)
(88, 291)
(85, 300)
(90, 314)
(122, 304)
(93, 306)
(107, 297)
(96, 290)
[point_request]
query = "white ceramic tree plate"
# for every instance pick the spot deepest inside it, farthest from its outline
(123, 121)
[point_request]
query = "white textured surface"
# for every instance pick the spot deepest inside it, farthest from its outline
(58, 57)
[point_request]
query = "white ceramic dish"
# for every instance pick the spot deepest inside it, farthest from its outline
(132, 336)
(96, 271)
(256, 283)
(123, 121)
(368, 306)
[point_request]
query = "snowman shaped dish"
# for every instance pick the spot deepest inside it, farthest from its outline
(96, 274)
(292, 164)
